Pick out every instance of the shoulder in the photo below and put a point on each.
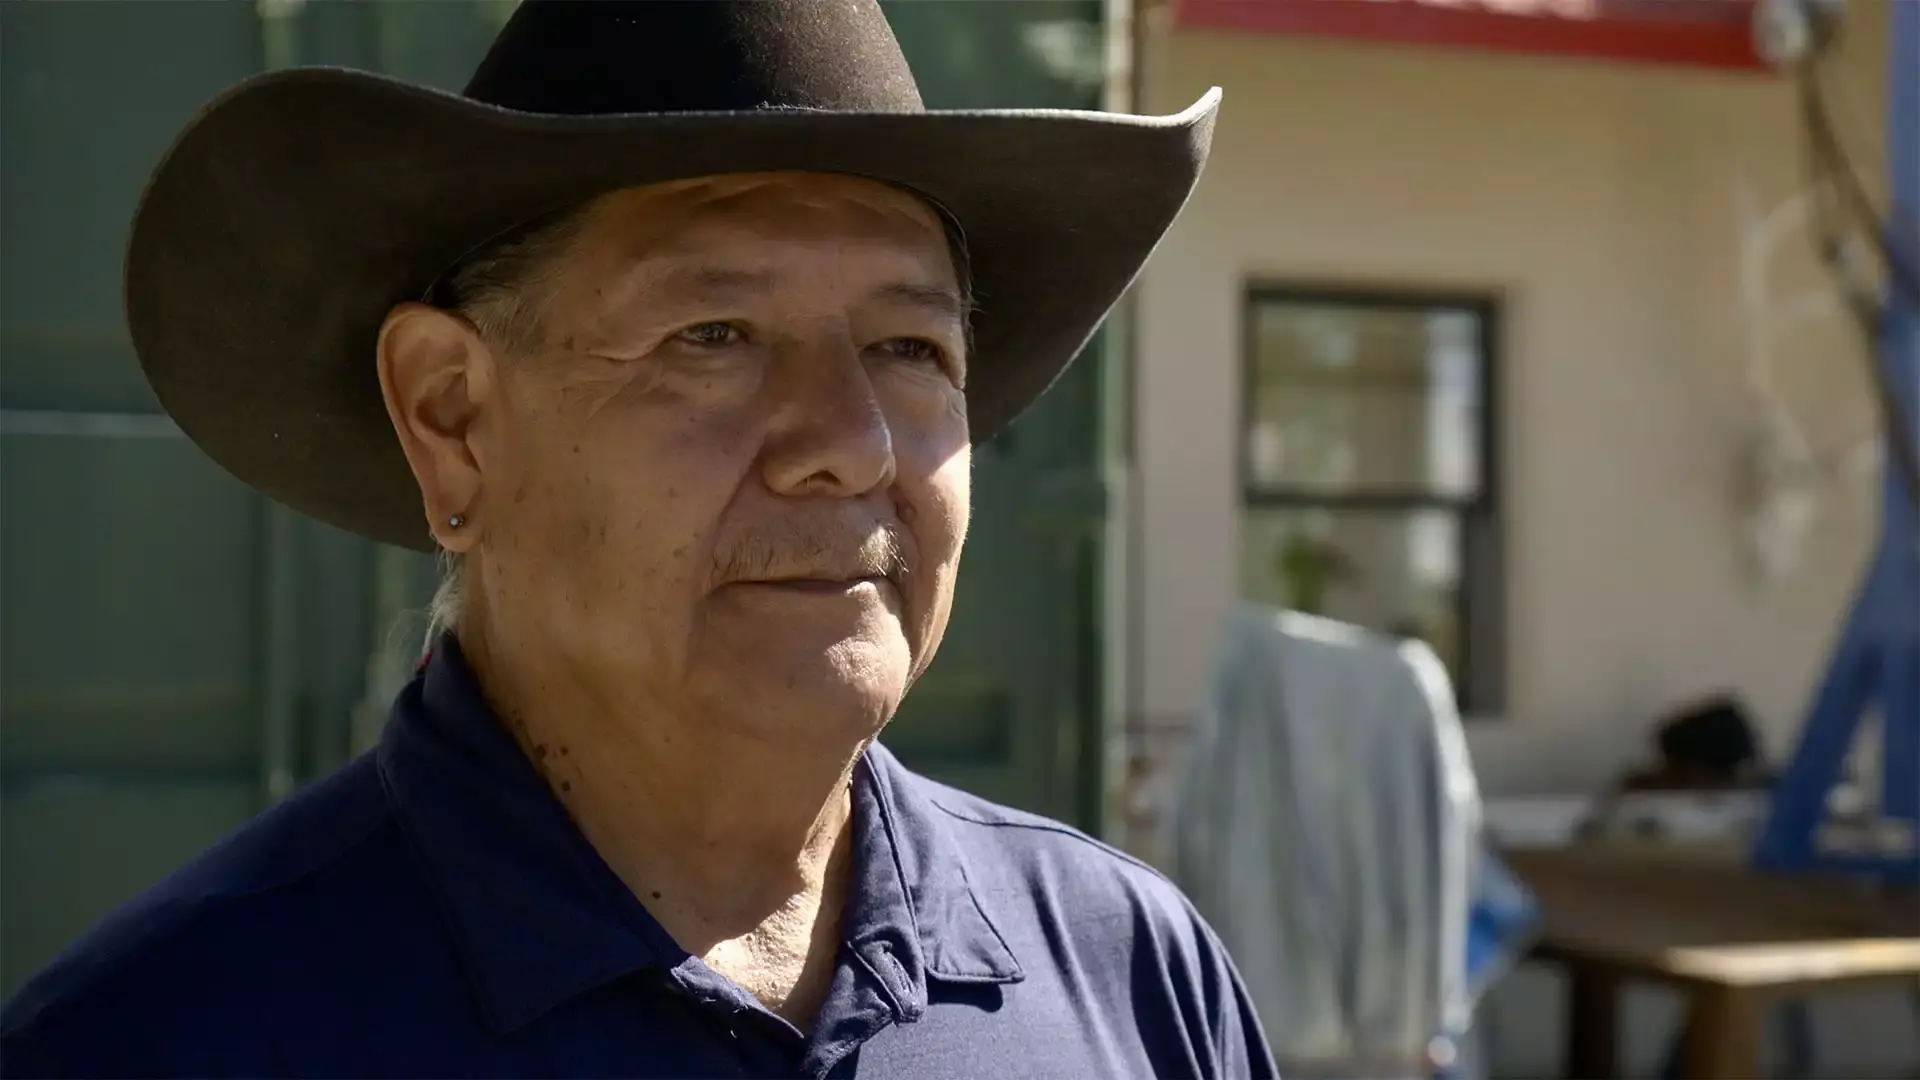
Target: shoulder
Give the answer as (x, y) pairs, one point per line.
(1013, 854)
(1090, 921)
(263, 920)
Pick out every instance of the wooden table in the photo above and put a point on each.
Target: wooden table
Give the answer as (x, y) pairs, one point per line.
(1729, 939)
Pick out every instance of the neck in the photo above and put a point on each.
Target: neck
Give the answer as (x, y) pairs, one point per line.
(720, 836)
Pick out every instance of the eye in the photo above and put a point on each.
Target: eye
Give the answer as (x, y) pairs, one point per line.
(914, 351)
(711, 335)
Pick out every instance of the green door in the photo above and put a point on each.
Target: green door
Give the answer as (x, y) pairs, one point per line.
(176, 653)
(173, 653)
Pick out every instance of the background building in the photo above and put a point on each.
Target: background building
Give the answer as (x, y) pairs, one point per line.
(1468, 332)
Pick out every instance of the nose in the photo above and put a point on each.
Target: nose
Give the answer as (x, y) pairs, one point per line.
(830, 435)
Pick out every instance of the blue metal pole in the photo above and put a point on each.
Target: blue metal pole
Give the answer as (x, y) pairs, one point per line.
(1877, 659)
(1900, 353)
(1800, 795)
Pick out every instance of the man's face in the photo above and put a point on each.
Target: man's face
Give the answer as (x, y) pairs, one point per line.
(733, 473)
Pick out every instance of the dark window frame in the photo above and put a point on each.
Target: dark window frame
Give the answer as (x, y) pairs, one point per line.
(1478, 685)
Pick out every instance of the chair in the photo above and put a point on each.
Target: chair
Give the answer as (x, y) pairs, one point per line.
(1328, 827)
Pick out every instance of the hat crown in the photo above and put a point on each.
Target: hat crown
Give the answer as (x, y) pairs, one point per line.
(603, 57)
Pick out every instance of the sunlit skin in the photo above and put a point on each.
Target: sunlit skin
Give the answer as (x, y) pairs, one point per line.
(711, 522)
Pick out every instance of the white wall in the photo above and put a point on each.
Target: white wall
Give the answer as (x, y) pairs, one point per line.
(1599, 203)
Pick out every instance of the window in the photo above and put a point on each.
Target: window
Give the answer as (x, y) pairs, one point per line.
(1367, 469)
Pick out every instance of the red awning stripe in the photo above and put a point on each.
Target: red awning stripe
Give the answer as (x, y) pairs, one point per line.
(1708, 33)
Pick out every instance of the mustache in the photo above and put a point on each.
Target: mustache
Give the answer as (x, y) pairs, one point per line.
(817, 550)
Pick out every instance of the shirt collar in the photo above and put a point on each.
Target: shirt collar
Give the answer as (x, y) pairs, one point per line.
(539, 918)
(913, 895)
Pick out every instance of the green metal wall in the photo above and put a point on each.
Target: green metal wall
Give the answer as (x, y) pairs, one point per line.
(175, 652)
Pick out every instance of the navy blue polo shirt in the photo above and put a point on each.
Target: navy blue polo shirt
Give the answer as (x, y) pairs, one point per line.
(432, 911)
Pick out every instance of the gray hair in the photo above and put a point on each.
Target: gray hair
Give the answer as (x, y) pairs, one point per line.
(449, 597)
(502, 286)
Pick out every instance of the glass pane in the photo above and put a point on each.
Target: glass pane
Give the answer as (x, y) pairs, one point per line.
(1348, 398)
(1394, 571)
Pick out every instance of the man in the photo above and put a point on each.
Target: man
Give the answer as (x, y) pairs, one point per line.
(664, 333)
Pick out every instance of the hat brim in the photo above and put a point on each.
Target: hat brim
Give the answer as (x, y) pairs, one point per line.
(300, 207)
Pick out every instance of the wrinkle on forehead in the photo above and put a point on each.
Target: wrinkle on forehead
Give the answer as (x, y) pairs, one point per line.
(737, 228)
(686, 215)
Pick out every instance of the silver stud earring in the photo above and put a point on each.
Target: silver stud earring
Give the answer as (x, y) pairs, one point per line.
(456, 521)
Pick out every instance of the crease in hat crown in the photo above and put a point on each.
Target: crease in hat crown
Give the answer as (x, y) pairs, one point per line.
(610, 57)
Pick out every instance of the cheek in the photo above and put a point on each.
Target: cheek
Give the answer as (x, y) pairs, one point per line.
(935, 512)
(623, 506)
(934, 462)
(940, 531)
(952, 495)
(650, 517)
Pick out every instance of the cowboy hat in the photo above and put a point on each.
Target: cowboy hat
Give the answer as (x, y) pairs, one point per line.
(299, 207)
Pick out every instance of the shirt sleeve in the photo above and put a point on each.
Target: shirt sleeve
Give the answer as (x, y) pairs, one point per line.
(22, 1060)
(1239, 1044)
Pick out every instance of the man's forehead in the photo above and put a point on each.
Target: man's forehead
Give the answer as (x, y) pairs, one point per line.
(701, 216)
(734, 237)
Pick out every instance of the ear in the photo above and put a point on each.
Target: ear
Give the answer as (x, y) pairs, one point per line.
(437, 377)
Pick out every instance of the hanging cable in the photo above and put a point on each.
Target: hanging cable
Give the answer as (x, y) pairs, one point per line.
(1842, 210)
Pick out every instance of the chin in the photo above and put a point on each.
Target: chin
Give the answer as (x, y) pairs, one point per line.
(842, 693)
(861, 681)
(831, 718)
(846, 712)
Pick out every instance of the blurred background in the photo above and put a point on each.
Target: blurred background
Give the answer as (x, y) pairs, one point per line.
(1500, 326)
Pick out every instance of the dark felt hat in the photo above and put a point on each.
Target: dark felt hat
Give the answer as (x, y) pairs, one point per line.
(298, 208)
